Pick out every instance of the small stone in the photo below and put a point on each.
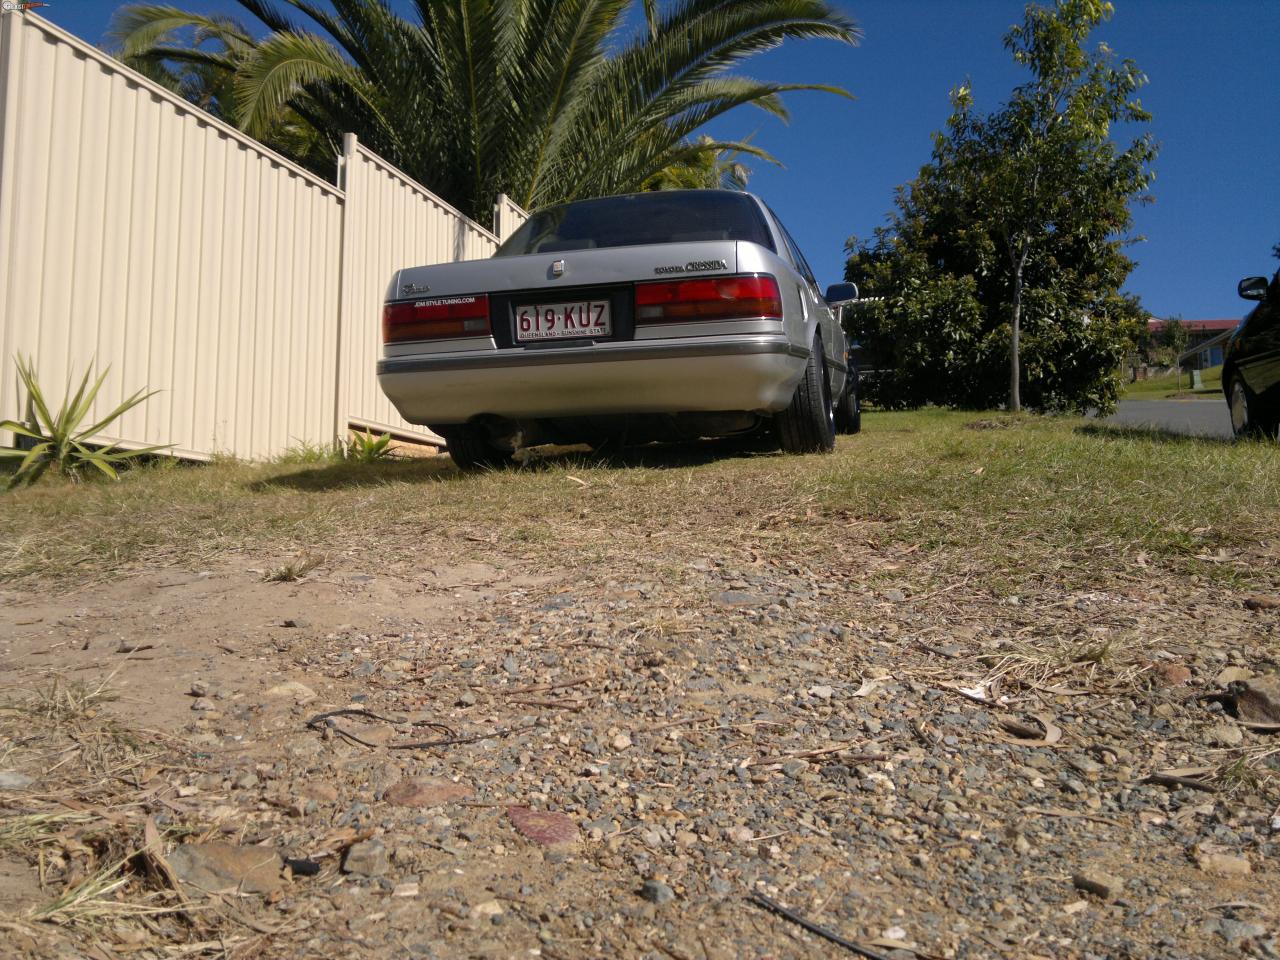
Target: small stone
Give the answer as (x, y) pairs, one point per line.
(1171, 674)
(1224, 735)
(203, 704)
(621, 741)
(408, 889)
(366, 859)
(1262, 602)
(793, 768)
(246, 781)
(487, 909)
(1235, 932)
(199, 688)
(227, 867)
(655, 891)
(895, 596)
(319, 791)
(13, 780)
(1232, 674)
(467, 699)
(294, 690)
(821, 692)
(686, 838)
(739, 834)
(295, 623)
(425, 793)
(1224, 864)
(1098, 883)
(737, 598)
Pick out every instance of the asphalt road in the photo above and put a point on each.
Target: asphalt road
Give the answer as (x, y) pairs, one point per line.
(1198, 418)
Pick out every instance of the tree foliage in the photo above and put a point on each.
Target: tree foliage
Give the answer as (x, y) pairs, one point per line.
(544, 100)
(1006, 252)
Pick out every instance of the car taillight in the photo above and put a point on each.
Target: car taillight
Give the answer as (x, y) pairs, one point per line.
(437, 319)
(708, 298)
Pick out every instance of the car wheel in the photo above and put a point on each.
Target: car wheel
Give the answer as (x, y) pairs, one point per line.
(1247, 420)
(808, 425)
(471, 449)
(849, 409)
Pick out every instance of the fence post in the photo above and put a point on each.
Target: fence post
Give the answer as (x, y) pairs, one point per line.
(10, 62)
(346, 257)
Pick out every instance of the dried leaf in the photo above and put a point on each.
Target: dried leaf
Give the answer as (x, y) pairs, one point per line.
(869, 686)
(544, 827)
(1025, 735)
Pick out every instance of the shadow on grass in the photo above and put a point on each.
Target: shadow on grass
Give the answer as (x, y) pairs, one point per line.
(657, 456)
(651, 456)
(1115, 431)
(338, 476)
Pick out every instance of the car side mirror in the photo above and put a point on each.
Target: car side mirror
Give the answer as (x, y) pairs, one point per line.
(1253, 288)
(839, 294)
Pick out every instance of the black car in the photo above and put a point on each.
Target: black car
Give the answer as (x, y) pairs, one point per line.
(1251, 369)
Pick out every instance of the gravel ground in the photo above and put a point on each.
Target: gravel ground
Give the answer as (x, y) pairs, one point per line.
(605, 724)
(698, 728)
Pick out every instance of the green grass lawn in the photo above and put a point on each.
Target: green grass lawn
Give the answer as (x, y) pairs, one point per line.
(1176, 385)
(1009, 500)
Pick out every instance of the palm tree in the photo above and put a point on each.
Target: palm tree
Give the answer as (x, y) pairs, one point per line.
(544, 100)
(714, 167)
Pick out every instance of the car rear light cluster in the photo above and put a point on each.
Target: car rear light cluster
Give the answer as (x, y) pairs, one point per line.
(438, 319)
(708, 298)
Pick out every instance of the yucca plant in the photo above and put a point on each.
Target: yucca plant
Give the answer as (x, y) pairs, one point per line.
(61, 439)
(366, 448)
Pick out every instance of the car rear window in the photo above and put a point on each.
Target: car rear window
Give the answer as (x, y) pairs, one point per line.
(668, 216)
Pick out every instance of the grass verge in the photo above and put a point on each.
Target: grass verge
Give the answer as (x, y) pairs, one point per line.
(1176, 385)
(1008, 499)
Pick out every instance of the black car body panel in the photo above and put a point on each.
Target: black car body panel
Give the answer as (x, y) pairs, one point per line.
(1253, 355)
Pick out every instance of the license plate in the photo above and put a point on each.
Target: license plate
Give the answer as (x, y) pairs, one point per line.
(556, 321)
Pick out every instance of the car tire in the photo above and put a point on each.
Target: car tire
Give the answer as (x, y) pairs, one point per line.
(849, 409)
(808, 424)
(1247, 420)
(471, 449)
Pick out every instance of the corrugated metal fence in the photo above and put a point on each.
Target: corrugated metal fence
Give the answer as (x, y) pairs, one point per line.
(139, 232)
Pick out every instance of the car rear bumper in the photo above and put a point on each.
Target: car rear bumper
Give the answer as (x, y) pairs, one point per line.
(714, 373)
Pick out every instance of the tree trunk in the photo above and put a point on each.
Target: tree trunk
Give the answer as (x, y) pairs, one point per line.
(1015, 369)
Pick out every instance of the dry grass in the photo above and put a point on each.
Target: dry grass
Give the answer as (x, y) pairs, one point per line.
(293, 570)
(1041, 499)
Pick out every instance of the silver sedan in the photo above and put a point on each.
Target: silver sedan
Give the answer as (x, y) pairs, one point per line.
(655, 316)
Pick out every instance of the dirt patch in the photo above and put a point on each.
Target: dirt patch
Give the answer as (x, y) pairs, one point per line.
(529, 715)
(832, 743)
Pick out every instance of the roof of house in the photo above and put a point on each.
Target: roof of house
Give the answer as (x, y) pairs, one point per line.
(1154, 324)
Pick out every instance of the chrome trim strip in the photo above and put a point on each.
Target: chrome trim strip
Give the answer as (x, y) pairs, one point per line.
(598, 353)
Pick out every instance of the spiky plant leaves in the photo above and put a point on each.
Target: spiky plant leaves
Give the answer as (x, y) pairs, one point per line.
(62, 438)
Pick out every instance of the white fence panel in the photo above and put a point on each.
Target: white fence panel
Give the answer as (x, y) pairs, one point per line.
(391, 222)
(138, 232)
(507, 217)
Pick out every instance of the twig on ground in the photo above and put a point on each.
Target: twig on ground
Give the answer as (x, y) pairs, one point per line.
(321, 720)
(547, 687)
(1168, 780)
(772, 906)
(575, 706)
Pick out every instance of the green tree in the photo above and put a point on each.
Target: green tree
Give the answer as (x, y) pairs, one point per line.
(544, 100)
(1010, 241)
(1174, 337)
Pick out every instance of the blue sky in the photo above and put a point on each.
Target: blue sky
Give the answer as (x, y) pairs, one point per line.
(1214, 94)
